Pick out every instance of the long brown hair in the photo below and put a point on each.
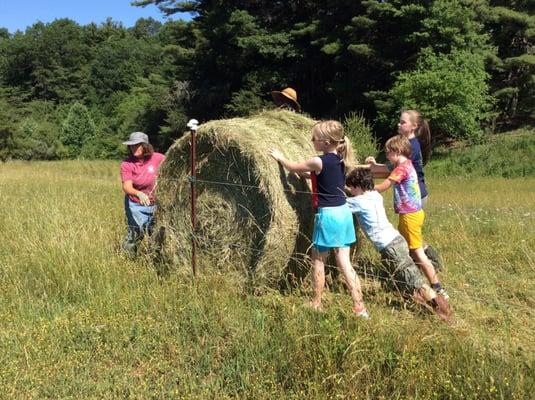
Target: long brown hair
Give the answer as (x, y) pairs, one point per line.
(333, 132)
(148, 150)
(422, 133)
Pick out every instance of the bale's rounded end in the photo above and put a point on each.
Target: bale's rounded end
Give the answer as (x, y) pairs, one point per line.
(253, 216)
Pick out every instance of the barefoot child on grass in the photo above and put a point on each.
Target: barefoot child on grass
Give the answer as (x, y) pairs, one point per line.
(368, 206)
(333, 225)
(408, 204)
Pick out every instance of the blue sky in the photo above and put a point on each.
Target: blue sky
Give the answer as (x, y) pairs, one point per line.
(23, 13)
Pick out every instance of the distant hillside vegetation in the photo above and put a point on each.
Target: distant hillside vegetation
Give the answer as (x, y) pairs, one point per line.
(507, 155)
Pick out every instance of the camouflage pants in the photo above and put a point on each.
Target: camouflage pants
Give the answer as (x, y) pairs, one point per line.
(399, 265)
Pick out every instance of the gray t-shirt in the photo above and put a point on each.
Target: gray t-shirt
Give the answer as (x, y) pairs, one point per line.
(372, 218)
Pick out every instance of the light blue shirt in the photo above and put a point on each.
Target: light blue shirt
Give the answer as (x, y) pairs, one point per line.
(372, 217)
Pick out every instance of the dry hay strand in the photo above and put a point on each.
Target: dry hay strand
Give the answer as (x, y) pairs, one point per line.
(252, 215)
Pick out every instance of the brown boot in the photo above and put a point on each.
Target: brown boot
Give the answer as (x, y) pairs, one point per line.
(442, 308)
(420, 296)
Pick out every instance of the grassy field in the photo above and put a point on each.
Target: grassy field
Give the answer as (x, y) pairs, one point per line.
(79, 321)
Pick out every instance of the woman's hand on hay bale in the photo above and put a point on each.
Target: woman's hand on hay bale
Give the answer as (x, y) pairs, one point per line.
(370, 160)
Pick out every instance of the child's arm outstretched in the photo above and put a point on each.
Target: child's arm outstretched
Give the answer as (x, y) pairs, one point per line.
(312, 165)
(378, 170)
(385, 185)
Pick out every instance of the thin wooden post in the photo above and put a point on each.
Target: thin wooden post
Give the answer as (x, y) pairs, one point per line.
(192, 125)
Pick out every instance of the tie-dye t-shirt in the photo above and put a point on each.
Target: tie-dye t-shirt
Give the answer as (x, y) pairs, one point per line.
(407, 197)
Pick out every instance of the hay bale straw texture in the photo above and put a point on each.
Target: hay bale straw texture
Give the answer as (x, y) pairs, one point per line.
(252, 214)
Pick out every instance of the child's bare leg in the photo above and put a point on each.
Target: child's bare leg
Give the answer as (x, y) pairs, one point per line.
(419, 257)
(318, 277)
(350, 276)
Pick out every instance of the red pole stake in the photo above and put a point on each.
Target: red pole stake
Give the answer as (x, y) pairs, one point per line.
(192, 124)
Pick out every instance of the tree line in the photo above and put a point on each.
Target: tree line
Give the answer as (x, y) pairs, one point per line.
(68, 90)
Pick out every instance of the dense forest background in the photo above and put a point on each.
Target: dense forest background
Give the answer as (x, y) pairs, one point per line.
(69, 91)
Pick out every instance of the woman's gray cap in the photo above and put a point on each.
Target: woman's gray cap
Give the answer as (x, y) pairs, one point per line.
(137, 137)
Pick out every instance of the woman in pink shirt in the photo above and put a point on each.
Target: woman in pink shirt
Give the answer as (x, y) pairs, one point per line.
(138, 175)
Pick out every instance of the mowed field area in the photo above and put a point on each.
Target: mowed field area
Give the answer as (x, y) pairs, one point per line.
(80, 321)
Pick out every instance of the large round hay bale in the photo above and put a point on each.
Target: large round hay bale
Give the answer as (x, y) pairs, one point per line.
(251, 213)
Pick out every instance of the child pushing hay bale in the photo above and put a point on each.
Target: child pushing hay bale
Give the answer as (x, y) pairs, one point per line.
(251, 214)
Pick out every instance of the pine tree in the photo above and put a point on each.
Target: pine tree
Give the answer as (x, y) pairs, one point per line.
(77, 129)
(7, 130)
(444, 32)
(512, 25)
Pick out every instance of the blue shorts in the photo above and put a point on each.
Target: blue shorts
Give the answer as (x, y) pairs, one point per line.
(333, 228)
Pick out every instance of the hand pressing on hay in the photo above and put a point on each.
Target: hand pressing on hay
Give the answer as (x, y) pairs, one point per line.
(302, 168)
(333, 226)
(276, 154)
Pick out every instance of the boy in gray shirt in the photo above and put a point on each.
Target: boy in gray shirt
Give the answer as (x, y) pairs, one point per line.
(367, 204)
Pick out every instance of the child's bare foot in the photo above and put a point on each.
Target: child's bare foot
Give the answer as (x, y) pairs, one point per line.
(361, 312)
(314, 305)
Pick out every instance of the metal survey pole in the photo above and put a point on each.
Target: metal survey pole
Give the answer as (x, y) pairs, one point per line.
(192, 125)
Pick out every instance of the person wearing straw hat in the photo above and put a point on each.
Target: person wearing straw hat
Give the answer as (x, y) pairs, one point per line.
(138, 175)
(286, 99)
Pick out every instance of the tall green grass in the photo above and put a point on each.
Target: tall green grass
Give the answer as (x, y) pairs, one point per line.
(78, 320)
(505, 155)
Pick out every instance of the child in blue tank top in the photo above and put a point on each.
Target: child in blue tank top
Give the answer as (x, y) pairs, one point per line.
(333, 224)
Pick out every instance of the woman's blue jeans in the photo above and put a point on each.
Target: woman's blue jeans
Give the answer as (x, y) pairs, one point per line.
(140, 220)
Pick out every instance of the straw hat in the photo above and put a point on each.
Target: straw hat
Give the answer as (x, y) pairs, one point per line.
(287, 96)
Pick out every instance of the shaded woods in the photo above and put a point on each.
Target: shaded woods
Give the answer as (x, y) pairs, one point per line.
(69, 91)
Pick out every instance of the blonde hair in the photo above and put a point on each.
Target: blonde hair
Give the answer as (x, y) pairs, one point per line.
(399, 144)
(422, 133)
(333, 132)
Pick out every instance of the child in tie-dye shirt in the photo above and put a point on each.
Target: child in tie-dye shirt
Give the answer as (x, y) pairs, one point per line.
(407, 197)
(408, 204)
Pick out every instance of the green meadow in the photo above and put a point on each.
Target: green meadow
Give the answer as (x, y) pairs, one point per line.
(80, 321)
